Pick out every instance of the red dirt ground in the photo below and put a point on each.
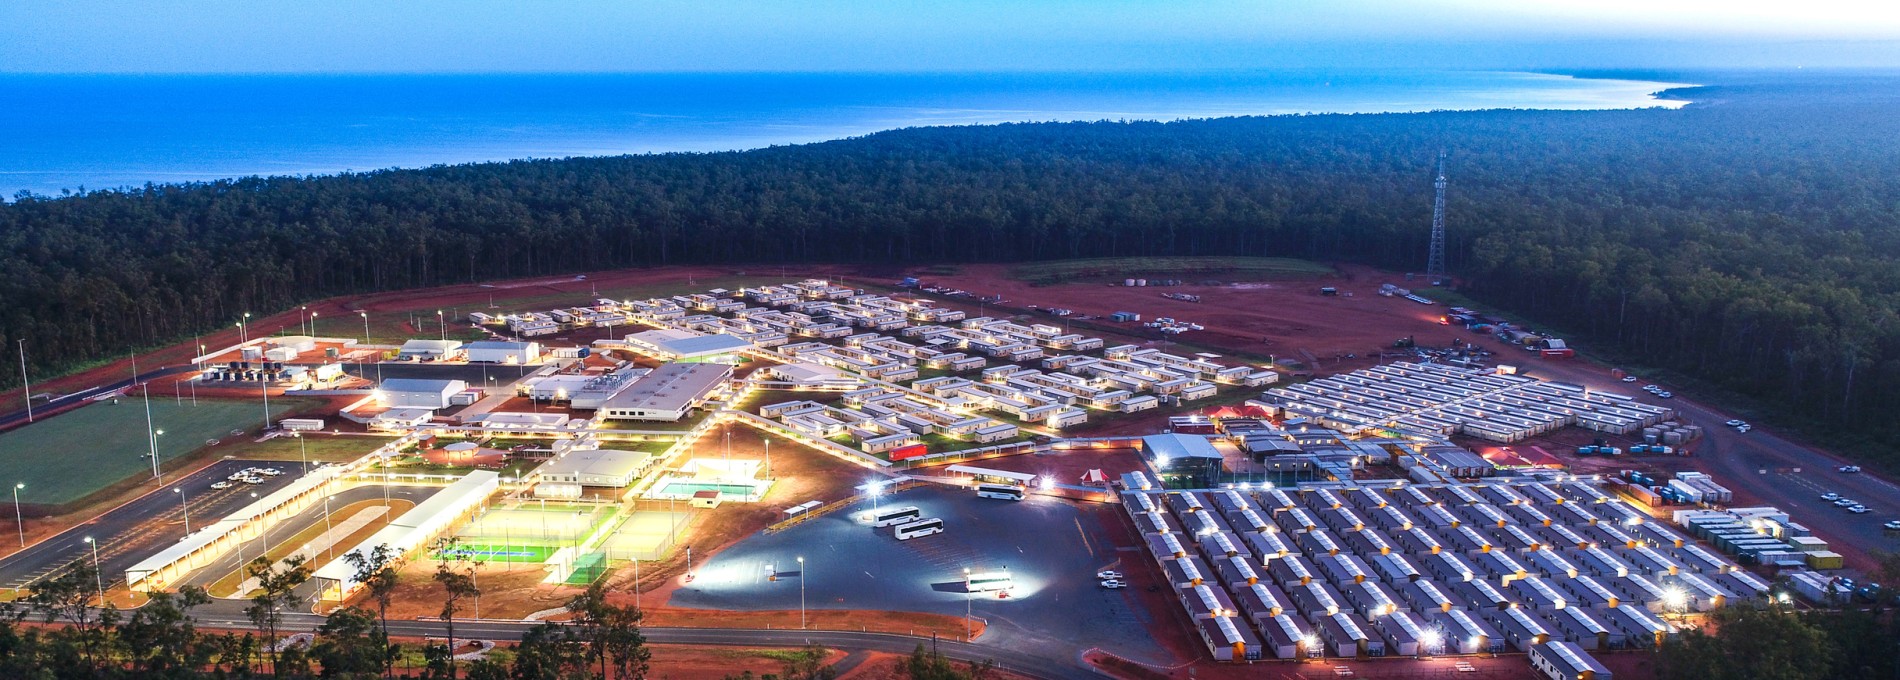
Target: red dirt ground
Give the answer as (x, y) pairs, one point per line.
(1279, 318)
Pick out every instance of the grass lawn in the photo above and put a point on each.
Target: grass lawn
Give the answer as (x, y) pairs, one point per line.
(1190, 269)
(320, 447)
(64, 458)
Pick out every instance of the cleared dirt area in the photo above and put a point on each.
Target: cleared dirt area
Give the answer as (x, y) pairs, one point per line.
(1285, 318)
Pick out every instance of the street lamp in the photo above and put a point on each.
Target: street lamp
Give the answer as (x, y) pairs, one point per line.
(801, 591)
(97, 579)
(443, 322)
(17, 516)
(969, 597)
(184, 507)
(302, 451)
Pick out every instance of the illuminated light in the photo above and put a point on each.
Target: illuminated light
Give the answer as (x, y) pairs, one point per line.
(1675, 598)
(1432, 639)
(1310, 641)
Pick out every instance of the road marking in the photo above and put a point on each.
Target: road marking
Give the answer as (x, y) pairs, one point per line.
(1085, 537)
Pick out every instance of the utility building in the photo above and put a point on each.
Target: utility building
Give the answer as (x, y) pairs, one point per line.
(667, 393)
(408, 393)
(503, 352)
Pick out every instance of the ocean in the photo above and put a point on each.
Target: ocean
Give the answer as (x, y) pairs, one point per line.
(67, 132)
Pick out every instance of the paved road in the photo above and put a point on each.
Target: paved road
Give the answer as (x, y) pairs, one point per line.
(1034, 665)
(1761, 465)
(143, 526)
(9, 420)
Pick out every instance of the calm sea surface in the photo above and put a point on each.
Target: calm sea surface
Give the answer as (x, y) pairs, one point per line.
(65, 132)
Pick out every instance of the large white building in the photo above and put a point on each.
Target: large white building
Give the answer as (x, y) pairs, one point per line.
(667, 393)
(406, 393)
(430, 350)
(596, 467)
(678, 345)
(503, 352)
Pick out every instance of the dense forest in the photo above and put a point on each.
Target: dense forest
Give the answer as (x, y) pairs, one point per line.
(1751, 240)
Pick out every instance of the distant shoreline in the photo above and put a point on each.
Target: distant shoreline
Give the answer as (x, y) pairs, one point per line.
(217, 127)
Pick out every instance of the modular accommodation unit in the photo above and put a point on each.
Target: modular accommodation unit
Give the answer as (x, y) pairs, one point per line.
(1566, 661)
(1521, 630)
(1286, 636)
(1581, 627)
(1469, 633)
(1262, 601)
(1536, 593)
(1371, 599)
(1639, 626)
(1314, 600)
(1345, 636)
(1425, 596)
(1480, 595)
(1290, 571)
(1395, 568)
(1227, 640)
(1404, 635)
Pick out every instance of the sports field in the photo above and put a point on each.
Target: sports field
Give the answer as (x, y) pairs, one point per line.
(64, 458)
(525, 532)
(645, 535)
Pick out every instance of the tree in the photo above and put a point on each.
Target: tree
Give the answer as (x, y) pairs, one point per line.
(809, 664)
(613, 631)
(1751, 644)
(549, 651)
(377, 572)
(160, 639)
(69, 596)
(350, 645)
(276, 593)
(932, 665)
(458, 585)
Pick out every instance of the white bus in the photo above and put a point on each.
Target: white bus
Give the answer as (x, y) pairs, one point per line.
(922, 527)
(1008, 492)
(985, 581)
(890, 516)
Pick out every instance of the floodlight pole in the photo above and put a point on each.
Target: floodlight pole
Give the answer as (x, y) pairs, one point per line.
(184, 507)
(97, 579)
(969, 599)
(17, 515)
(26, 385)
(302, 451)
(801, 592)
(151, 440)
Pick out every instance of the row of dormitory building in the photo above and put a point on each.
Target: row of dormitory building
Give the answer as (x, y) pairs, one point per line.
(1363, 571)
(1444, 400)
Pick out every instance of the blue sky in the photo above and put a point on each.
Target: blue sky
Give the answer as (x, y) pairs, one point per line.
(171, 36)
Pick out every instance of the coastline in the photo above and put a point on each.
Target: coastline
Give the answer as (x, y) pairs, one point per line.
(309, 126)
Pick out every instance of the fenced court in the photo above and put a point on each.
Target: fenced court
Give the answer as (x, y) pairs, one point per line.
(63, 458)
(520, 531)
(646, 535)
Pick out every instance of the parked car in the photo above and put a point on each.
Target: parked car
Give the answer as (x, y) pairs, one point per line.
(1893, 525)
(1629, 378)
(1850, 468)
(1830, 496)
(1113, 584)
(1859, 510)
(221, 485)
(1845, 503)
(1108, 575)
(1735, 423)
(273, 472)
(1666, 395)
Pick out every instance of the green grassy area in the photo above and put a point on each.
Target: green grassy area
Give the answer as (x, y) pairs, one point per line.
(66, 457)
(1191, 269)
(319, 447)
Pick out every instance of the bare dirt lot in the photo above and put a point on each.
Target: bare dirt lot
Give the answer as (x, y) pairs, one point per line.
(1287, 319)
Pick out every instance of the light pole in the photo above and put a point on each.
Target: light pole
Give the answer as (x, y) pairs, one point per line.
(97, 579)
(302, 451)
(25, 384)
(969, 599)
(263, 386)
(184, 508)
(240, 545)
(768, 457)
(151, 440)
(17, 516)
(801, 591)
(443, 323)
(327, 528)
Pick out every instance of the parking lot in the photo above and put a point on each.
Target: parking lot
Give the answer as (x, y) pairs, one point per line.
(138, 529)
(1052, 549)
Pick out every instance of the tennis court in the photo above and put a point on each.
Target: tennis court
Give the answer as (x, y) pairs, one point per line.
(646, 535)
(526, 532)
